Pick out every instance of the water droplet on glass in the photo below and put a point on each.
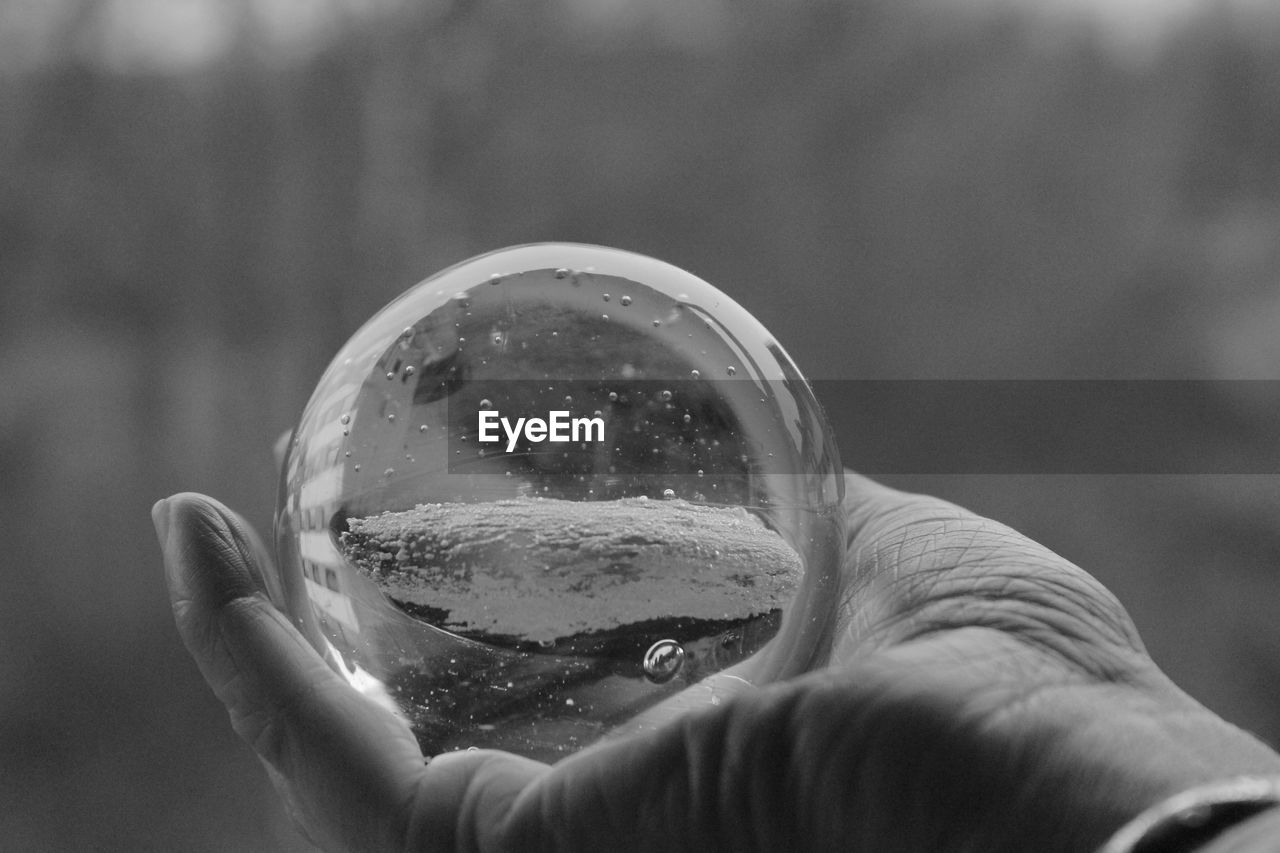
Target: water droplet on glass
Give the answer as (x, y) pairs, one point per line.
(344, 420)
(613, 396)
(496, 278)
(688, 418)
(391, 416)
(409, 371)
(668, 493)
(388, 472)
(422, 428)
(486, 404)
(666, 396)
(731, 370)
(604, 316)
(657, 323)
(663, 661)
(562, 273)
(605, 297)
(626, 300)
(695, 374)
(390, 375)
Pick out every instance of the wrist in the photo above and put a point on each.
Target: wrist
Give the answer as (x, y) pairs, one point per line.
(1142, 748)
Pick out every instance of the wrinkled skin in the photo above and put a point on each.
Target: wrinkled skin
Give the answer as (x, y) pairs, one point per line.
(981, 693)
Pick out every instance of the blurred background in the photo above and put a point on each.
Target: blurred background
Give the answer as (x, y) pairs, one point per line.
(200, 201)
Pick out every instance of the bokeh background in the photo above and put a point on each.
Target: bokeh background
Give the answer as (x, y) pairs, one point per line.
(200, 201)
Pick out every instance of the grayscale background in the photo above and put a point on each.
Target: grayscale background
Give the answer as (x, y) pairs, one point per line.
(201, 200)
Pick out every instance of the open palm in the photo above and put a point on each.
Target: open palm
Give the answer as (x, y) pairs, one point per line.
(980, 693)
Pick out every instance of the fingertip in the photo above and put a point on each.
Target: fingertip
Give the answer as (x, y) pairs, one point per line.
(864, 497)
(208, 553)
(281, 448)
(863, 487)
(160, 514)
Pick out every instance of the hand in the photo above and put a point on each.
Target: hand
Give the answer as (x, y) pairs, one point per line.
(981, 693)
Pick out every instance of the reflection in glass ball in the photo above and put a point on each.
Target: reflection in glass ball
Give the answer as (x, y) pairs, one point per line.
(551, 488)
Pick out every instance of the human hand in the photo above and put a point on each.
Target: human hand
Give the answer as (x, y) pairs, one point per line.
(980, 693)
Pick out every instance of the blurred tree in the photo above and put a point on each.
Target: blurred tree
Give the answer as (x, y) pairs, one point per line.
(900, 190)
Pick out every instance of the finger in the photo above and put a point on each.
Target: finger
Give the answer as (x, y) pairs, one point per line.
(917, 565)
(868, 505)
(347, 767)
(281, 448)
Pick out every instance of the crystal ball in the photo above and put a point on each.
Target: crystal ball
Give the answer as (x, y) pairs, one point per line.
(556, 493)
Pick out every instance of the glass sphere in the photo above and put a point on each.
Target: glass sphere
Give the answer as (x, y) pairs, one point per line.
(556, 492)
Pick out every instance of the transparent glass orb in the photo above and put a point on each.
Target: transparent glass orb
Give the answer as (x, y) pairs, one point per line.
(556, 492)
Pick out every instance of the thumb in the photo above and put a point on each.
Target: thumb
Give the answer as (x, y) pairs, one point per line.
(344, 765)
